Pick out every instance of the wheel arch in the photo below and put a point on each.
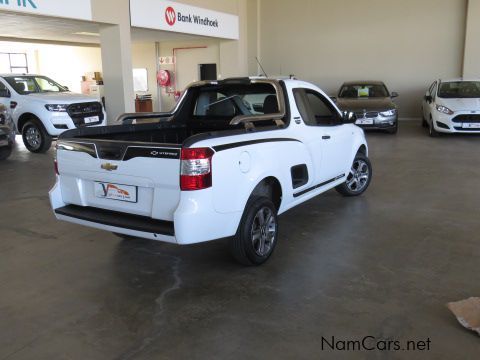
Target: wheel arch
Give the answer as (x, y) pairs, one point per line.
(22, 120)
(363, 150)
(269, 187)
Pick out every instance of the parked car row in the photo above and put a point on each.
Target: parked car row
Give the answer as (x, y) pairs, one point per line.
(40, 109)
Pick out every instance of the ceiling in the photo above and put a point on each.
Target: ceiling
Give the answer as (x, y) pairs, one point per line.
(23, 27)
(31, 27)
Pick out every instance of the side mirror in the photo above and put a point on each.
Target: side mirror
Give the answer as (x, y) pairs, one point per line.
(5, 93)
(349, 117)
(394, 94)
(428, 98)
(333, 98)
(66, 88)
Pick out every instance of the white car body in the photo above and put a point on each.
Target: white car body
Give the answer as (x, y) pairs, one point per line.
(464, 116)
(24, 106)
(241, 162)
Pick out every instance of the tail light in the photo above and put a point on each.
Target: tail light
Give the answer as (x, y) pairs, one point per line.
(196, 169)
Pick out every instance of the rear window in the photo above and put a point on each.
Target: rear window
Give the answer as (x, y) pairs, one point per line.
(459, 89)
(230, 100)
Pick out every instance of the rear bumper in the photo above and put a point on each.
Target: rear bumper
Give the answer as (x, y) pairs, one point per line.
(192, 223)
(117, 219)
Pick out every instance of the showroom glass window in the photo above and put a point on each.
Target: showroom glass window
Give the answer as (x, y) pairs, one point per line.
(315, 109)
(459, 89)
(13, 63)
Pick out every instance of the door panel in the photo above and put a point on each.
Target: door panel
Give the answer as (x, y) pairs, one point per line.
(328, 140)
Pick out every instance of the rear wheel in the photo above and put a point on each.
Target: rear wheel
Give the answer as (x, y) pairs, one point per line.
(5, 152)
(35, 137)
(257, 233)
(358, 178)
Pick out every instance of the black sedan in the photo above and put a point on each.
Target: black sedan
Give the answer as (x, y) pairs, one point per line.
(372, 104)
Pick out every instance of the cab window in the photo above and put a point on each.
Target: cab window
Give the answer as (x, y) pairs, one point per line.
(315, 109)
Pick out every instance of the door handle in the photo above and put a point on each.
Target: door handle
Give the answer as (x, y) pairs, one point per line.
(326, 137)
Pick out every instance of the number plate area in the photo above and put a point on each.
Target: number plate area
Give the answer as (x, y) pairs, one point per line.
(113, 191)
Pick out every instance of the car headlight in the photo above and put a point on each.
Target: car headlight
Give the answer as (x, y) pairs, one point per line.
(444, 110)
(388, 112)
(56, 107)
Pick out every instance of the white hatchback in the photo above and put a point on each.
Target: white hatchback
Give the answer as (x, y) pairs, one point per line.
(452, 106)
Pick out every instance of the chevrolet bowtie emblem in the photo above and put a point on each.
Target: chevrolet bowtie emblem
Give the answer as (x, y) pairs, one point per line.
(109, 167)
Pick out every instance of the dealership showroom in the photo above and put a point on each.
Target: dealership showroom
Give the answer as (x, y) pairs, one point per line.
(150, 150)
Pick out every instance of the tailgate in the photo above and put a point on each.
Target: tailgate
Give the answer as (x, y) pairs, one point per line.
(134, 178)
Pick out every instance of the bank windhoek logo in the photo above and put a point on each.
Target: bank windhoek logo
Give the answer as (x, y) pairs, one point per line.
(170, 16)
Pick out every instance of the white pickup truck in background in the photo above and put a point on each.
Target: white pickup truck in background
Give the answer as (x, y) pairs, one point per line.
(231, 156)
(42, 109)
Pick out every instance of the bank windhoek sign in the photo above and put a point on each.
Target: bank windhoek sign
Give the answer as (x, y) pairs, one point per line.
(71, 9)
(177, 17)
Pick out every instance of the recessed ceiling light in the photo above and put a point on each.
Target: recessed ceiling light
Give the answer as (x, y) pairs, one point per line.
(86, 33)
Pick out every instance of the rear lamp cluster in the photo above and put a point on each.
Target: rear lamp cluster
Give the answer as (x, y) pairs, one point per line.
(196, 169)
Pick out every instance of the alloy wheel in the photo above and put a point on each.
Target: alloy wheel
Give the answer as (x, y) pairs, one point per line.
(264, 231)
(358, 177)
(33, 137)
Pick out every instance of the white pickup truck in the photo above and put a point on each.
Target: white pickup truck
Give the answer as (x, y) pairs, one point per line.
(225, 162)
(42, 109)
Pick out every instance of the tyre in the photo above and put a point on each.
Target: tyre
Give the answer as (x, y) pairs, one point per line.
(431, 130)
(393, 130)
(5, 152)
(257, 233)
(424, 122)
(359, 177)
(35, 137)
(123, 236)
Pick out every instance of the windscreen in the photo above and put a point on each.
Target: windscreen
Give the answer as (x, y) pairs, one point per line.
(459, 89)
(230, 100)
(34, 84)
(363, 91)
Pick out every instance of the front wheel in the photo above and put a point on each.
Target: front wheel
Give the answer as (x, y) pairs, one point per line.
(358, 178)
(394, 129)
(257, 233)
(35, 137)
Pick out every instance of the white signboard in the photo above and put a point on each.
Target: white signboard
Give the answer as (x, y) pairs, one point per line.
(73, 9)
(173, 16)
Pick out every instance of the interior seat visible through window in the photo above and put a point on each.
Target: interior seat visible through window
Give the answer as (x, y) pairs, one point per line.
(270, 105)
